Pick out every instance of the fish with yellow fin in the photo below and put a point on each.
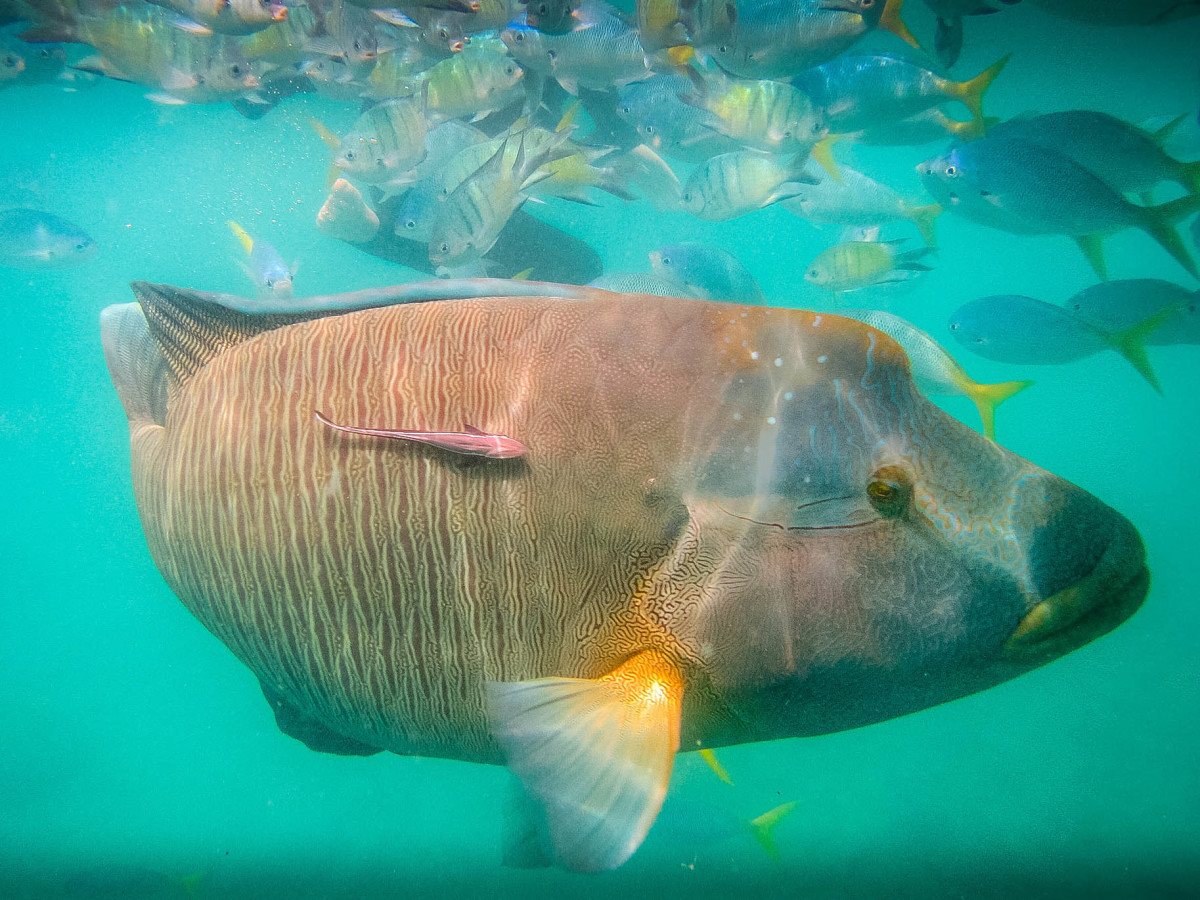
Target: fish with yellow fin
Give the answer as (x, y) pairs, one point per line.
(935, 371)
(732, 524)
(272, 277)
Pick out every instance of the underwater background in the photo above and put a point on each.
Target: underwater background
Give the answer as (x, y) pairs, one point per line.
(138, 757)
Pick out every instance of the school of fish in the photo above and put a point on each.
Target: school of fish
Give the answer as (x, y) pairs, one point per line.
(574, 521)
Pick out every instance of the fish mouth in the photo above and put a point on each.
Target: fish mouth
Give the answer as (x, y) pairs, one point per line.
(1089, 608)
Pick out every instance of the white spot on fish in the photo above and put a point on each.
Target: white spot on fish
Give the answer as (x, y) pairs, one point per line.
(754, 354)
(770, 420)
(332, 483)
(789, 396)
(737, 417)
(816, 321)
(779, 361)
(822, 359)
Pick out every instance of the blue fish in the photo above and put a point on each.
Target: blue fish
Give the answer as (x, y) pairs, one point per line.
(32, 239)
(1022, 188)
(707, 272)
(1014, 329)
(1117, 305)
(266, 268)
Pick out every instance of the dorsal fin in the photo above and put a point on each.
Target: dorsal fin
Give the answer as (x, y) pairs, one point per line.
(192, 328)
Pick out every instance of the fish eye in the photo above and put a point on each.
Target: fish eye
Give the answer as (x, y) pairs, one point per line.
(510, 70)
(865, 4)
(889, 492)
(10, 61)
(951, 171)
(518, 37)
(553, 54)
(349, 156)
(724, 48)
(357, 45)
(235, 70)
(270, 282)
(666, 260)
(443, 247)
(410, 224)
(81, 246)
(649, 129)
(955, 325)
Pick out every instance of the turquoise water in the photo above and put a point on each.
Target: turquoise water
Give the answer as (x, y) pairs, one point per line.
(136, 752)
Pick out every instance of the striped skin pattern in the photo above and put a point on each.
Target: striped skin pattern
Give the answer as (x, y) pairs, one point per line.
(695, 485)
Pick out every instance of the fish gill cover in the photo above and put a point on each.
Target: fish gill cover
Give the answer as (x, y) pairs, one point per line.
(620, 394)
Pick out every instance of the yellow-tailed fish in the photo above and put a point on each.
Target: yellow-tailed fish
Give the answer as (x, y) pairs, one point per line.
(733, 184)
(863, 92)
(853, 265)
(272, 277)
(474, 83)
(935, 371)
(385, 143)
(859, 201)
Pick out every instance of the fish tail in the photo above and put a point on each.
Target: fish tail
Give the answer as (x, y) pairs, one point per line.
(1131, 342)
(1159, 222)
(333, 142)
(244, 239)
(988, 396)
(763, 827)
(890, 20)
(822, 153)
(971, 92)
(1190, 176)
(924, 218)
(1160, 135)
(715, 764)
(910, 259)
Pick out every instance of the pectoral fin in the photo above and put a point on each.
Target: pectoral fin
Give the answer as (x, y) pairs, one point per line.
(596, 754)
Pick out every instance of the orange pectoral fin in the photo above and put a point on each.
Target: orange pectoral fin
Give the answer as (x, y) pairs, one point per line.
(596, 754)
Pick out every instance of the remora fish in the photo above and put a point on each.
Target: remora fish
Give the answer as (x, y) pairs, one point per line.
(638, 582)
(469, 442)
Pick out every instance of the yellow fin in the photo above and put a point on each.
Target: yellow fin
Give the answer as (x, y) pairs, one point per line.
(1092, 247)
(763, 827)
(244, 239)
(596, 754)
(988, 396)
(1131, 342)
(191, 882)
(1159, 222)
(890, 20)
(822, 152)
(332, 141)
(924, 218)
(681, 55)
(523, 275)
(715, 764)
(568, 118)
(970, 92)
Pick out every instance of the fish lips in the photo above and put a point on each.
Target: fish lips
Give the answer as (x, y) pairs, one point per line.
(1090, 607)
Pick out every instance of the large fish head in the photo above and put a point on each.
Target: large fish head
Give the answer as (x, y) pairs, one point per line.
(872, 556)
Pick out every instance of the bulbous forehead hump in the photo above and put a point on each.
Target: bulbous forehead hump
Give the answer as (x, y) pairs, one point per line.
(808, 400)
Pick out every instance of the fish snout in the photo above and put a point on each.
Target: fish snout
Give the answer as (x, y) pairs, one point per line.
(1089, 564)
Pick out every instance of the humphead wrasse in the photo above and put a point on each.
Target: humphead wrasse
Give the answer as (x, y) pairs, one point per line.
(729, 524)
